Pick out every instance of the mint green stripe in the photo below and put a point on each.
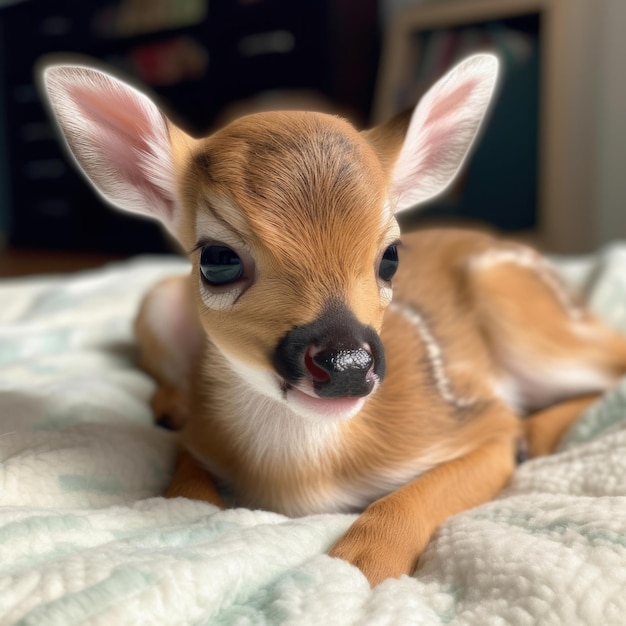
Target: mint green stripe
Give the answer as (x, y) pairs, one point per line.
(43, 525)
(76, 608)
(77, 482)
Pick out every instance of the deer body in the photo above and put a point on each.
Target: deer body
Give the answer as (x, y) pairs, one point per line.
(432, 408)
(280, 461)
(297, 378)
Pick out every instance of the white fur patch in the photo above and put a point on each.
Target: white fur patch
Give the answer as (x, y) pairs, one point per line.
(261, 396)
(210, 228)
(166, 312)
(273, 430)
(434, 354)
(532, 384)
(218, 301)
(539, 265)
(230, 213)
(386, 295)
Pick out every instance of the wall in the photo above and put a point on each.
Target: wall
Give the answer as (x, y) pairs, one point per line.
(583, 112)
(610, 113)
(594, 123)
(4, 191)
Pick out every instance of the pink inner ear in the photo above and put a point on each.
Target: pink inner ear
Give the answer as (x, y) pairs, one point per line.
(452, 103)
(437, 142)
(438, 130)
(120, 114)
(442, 130)
(119, 138)
(120, 128)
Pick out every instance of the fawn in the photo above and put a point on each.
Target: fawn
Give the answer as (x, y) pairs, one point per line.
(296, 378)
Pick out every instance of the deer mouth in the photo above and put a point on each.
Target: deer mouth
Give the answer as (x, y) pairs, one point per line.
(303, 400)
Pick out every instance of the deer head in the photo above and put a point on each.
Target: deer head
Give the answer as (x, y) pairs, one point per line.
(288, 218)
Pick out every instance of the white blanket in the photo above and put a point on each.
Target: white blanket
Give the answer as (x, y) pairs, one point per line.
(86, 539)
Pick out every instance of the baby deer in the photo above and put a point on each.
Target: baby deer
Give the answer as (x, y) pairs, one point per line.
(296, 377)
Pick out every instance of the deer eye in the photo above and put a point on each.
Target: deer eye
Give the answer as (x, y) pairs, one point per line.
(220, 265)
(389, 263)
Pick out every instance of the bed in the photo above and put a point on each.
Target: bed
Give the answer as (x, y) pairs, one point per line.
(85, 537)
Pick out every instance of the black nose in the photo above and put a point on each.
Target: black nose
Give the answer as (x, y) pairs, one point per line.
(340, 356)
(345, 372)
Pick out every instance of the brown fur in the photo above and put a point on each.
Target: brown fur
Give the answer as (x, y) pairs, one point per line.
(470, 312)
(480, 332)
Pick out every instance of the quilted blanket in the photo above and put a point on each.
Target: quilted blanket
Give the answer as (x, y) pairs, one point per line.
(85, 537)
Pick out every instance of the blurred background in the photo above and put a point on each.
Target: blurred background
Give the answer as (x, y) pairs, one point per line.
(550, 165)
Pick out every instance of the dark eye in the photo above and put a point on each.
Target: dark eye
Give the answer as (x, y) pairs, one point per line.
(389, 263)
(220, 265)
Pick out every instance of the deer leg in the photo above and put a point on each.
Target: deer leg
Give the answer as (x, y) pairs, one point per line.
(545, 429)
(169, 338)
(192, 481)
(388, 538)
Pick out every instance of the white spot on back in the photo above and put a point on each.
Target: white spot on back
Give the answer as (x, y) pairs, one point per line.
(435, 356)
(539, 265)
(531, 384)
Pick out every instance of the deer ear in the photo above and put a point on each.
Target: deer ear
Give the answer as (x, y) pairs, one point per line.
(442, 130)
(118, 137)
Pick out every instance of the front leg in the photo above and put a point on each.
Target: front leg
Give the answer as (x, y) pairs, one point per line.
(169, 337)
(192, 481)
(388, 538)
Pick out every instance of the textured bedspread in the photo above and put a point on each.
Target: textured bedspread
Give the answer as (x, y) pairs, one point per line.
(86, 539)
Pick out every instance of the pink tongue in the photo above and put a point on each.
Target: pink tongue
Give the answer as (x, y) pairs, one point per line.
(318, 374)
